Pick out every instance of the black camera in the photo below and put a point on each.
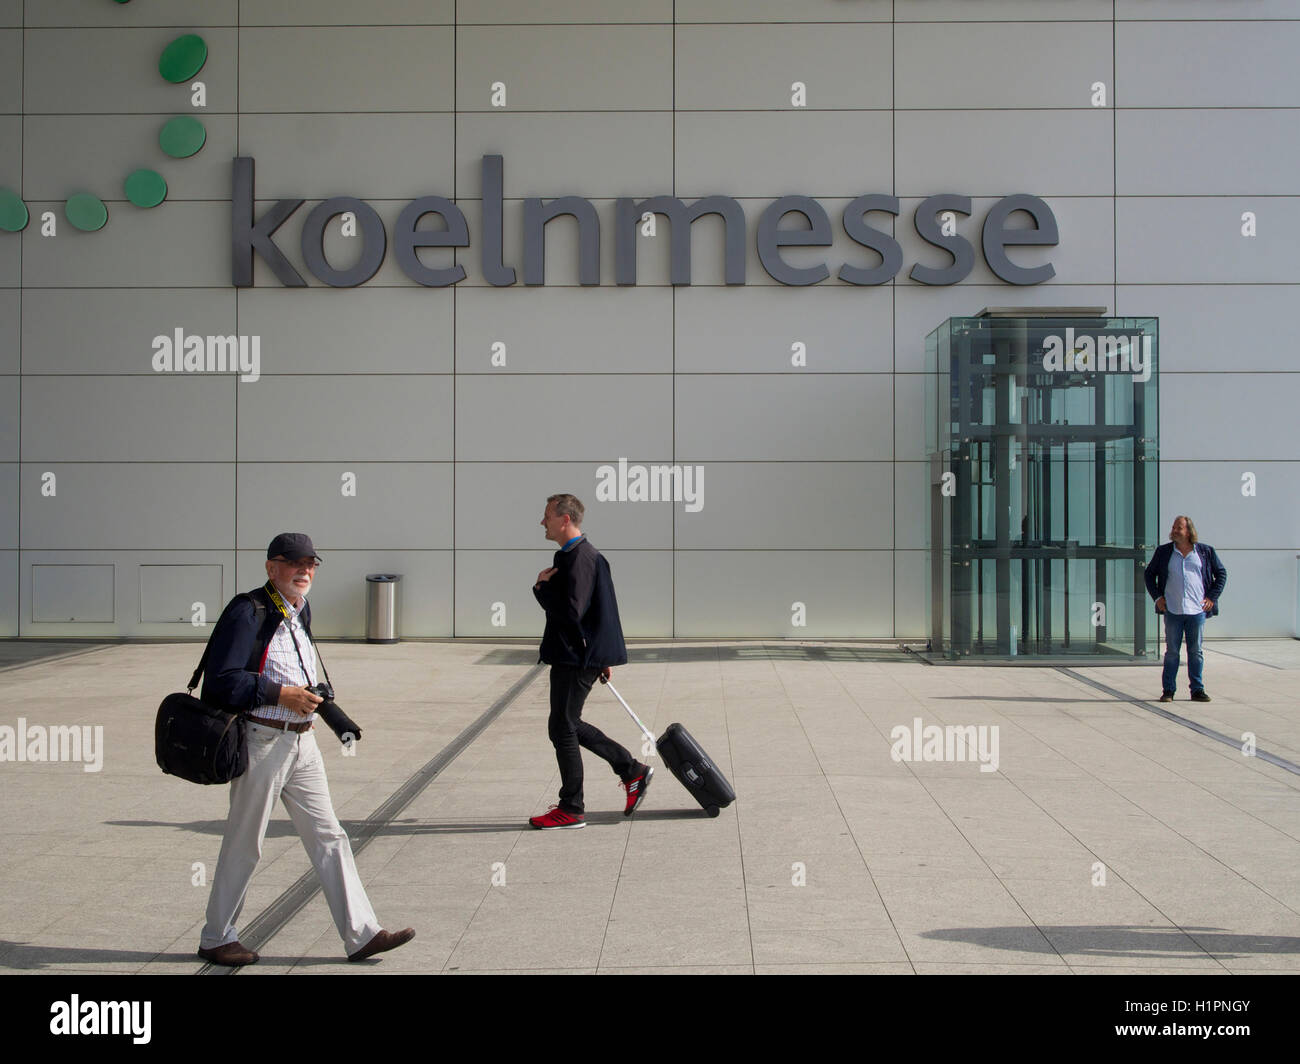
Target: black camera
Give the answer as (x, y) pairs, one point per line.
(340, 723)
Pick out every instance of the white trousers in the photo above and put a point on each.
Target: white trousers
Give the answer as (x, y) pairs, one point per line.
(289, 766)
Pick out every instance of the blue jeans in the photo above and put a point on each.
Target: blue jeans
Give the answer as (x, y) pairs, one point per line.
(1178, 626)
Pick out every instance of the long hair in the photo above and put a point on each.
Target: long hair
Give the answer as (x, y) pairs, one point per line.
(1192, 537)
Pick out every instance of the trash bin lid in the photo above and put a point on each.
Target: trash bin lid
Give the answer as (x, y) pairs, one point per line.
(383, 578)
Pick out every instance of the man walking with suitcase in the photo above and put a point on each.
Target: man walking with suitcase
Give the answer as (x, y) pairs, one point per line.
(582, 640)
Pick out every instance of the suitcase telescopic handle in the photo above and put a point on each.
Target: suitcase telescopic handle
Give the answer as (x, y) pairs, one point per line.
(644, 730)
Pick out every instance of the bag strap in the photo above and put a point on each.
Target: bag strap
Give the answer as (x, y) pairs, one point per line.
(259, 614)
(305, 620)
(306, 623)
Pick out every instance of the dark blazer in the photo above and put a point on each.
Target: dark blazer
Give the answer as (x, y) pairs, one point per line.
(237, 652)
(582, 626)
(1158, 572)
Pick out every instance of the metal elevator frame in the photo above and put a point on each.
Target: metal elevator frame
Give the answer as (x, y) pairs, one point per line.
(1013, 429)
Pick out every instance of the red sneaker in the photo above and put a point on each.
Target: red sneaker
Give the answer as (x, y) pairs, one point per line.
(636, 788)
(555, 817)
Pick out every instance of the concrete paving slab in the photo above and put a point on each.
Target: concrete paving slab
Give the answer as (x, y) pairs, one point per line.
(949, 968)
(635, 944)
(871, 968)
(520, 971)
(824, 946)
(1089, 969)
(684, 969)
(836, 858)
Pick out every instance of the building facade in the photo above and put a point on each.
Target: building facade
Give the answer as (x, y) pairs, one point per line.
(414, 421)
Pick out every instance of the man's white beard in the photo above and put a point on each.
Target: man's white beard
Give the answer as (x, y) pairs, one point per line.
(291, 591)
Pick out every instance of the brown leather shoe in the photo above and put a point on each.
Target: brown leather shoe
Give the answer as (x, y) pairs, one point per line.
(1168, 696)
(232, 955)
(382, 943)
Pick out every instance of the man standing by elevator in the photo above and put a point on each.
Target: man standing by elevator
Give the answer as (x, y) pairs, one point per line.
(1185, 578)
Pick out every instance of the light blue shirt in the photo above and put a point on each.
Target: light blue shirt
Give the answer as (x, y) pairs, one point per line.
(1185, 584)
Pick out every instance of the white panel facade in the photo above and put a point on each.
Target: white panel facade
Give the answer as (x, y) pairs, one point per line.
(419, 429)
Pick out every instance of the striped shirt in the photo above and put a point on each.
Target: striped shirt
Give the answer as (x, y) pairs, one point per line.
(282, 665)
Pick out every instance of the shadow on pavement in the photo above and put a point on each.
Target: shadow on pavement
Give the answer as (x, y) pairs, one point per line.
(17, 653)
(1122, 941)
(283, 829)
(27, 955)
(743, 652)
(1025, 698)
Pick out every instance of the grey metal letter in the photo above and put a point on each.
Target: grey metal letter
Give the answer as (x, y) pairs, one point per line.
(963, 255)
(493, 194)
(406, 238)
(626, 220)
(770, 238)
(680, 217)
(537, 214)
(997, 237)
(374, 242)
(247, 235)
(884, 245)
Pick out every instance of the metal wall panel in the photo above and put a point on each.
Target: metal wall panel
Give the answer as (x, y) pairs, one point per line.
(395, 383)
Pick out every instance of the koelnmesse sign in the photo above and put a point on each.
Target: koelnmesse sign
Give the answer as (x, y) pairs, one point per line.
(934, 220)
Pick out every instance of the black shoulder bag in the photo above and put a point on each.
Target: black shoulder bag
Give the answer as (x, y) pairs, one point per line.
(196, 741)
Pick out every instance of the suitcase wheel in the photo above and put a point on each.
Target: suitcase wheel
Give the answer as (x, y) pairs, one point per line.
(712, 810)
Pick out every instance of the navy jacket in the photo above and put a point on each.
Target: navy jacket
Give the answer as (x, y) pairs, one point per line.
(582, 626)
(1211, 568)
(237, 649)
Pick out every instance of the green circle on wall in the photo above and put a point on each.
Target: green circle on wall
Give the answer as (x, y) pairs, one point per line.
(86, 212)
(182, 137)
(183, 58)
(13, 212)
(145, 188)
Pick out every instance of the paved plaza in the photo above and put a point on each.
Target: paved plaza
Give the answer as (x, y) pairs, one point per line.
(1097, 836)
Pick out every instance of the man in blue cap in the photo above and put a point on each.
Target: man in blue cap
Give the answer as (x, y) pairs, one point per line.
(262, 664)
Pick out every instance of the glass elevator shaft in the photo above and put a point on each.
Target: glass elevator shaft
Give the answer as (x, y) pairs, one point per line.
(1044, 484)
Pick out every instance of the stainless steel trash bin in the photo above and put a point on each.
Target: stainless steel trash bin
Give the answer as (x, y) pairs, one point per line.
(381, 607)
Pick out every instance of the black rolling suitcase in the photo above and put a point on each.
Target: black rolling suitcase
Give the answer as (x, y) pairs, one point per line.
(687, 761)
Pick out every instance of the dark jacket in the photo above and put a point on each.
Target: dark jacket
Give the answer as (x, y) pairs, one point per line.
(237, 650)
(582, 626)
(1157, 573)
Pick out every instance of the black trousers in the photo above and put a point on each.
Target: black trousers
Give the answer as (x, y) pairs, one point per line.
(568, 731)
